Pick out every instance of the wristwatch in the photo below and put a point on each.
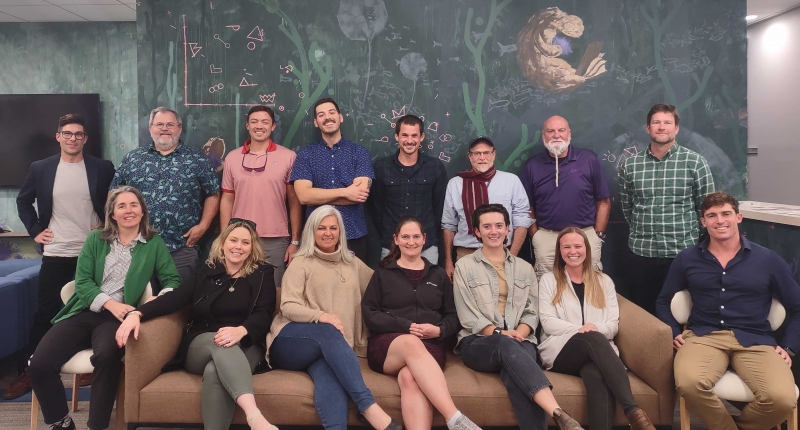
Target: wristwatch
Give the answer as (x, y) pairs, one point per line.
(497, 331)
(295, 242)
(601, 234)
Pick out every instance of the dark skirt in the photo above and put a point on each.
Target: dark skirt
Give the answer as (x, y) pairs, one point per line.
(378, 348)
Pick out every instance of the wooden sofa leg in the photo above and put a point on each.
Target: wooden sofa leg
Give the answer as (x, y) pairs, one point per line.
(792, 423)
(34, 411)
(685, 421)
(75, 387)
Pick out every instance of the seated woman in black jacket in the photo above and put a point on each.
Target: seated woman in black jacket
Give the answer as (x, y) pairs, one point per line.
(409, 309)
(232, 300)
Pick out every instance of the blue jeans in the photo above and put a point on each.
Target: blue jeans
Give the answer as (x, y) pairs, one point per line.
(321, 350)
(522, 376)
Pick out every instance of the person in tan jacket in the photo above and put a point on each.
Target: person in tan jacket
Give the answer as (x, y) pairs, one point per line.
(319, 329)
(580, 318)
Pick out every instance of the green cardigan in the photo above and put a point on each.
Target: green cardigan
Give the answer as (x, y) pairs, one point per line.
(146, 259)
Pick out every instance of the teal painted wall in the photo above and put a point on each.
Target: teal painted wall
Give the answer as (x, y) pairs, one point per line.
(61, 58)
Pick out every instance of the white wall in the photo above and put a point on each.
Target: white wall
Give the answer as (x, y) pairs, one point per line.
(773, 105)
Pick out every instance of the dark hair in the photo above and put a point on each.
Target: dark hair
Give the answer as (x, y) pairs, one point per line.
(71, 118)
(409, 120)
(489, 208)
(260, 108)
(664, 108)
(323, 101)
(718, 198)
(394, 253)
(482, 139)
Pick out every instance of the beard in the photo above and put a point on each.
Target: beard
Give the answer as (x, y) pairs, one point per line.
(165, 142)
(557, 148)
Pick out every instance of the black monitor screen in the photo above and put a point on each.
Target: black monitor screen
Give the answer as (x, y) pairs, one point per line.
(28, 125)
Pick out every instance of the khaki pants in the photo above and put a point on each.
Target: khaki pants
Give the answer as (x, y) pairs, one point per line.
(544, 249)
(462, 252)
(702, 361)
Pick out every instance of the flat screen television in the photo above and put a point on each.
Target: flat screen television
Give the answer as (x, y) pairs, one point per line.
(28, 125)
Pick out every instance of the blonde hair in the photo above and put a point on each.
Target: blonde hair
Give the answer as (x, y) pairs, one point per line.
(256, 257)
(307, 242)
(591, 278)
(110, 230)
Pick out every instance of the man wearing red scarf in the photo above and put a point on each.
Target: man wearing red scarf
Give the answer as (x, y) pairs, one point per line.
(481, 184)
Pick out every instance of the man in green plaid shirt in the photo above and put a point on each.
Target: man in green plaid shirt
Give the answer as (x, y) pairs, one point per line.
(661, 191)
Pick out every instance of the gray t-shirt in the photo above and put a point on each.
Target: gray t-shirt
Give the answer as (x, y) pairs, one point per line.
(73, 214)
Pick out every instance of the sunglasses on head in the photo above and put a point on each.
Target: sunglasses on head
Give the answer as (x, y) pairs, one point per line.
(241, 221)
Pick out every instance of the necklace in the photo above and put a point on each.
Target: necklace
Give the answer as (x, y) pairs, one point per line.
(235, 280)
(339, 272)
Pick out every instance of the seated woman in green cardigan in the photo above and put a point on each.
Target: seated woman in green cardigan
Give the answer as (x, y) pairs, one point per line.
(114, 267)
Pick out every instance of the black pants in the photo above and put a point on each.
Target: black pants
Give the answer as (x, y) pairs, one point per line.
(359, 247)
(185, 260)
(590, 356)
(53, 275)
(646, 276)
(522, 376)
(68, 337)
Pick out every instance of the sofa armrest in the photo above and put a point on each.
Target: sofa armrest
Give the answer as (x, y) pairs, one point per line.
(158, 343)
(645, 347)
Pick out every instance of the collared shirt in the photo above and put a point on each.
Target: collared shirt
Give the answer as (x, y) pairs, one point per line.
(661, 200)
(408, 190)
(476, 293)
(116, 266)
(174, 187)
(736, 297)
(505, 188)
(260, 196)
(336, 167)
(581, 184)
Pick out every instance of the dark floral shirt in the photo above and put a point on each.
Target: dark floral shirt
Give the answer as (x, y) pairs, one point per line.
(174, 187)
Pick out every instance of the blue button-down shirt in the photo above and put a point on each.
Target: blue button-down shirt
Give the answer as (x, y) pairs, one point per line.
(736, 297)
(174, 187)
(336, 167)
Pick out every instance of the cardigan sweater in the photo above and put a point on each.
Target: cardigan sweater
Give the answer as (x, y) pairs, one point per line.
(391, 303)
(147, 259)
(201, 290)
(561, 321)
(311, 286)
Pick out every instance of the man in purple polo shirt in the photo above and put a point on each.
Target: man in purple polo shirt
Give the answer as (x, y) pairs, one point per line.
(571, 193)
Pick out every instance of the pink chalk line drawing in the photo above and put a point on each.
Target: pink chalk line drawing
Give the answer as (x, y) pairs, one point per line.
(281, 108)
(288, 68)
(251, 45)
(173, 27)
(195, 48)
(234, 27)
(446, 137)
(216, 88)
(216, 69)
(302, 96)
(244, 83)
(384, 139)
(396, 114)
(186, 99)
(267, 98)
(256, 34)
(444, 158)
(434, 127)
(430, 146)
(227, 45)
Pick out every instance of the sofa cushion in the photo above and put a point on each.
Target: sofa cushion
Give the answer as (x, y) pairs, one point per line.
(287, 397)
(8, 267)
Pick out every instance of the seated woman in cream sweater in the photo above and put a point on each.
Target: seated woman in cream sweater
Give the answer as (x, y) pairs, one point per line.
(319, 328)
(580, 317)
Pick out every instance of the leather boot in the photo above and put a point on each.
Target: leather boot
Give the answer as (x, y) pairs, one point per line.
(19, 388)
(564, 421)
(640, 421)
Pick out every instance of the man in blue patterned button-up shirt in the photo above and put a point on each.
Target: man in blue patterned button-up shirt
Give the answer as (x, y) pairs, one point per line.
(179, 187)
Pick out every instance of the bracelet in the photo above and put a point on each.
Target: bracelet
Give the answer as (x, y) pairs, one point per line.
(133, 311)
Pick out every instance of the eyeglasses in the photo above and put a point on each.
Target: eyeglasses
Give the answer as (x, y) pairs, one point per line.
(162, 125)
(241, 221)
(257, 169)
(482, 153)
(69, 135)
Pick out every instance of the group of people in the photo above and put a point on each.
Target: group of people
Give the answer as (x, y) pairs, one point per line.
(99, 225)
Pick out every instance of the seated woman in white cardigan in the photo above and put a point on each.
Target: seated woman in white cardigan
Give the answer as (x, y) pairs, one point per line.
(580, 317)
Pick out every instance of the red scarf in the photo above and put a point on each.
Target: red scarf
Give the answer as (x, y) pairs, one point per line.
(475, 192)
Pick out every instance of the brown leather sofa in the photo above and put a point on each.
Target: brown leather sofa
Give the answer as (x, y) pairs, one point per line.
(286, 397)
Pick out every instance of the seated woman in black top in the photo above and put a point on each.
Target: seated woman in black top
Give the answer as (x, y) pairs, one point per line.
(409, 309)
(232, 300)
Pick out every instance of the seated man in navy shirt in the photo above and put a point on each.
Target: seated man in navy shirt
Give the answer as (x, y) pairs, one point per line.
(732, 282)
(335, 171)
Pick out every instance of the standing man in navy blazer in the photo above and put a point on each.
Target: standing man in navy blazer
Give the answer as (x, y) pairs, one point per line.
(70, 191)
